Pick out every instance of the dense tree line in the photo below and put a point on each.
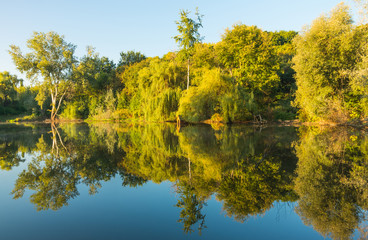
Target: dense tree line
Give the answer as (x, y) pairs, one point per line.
(331, 64)
(247, 73)
(250, 74)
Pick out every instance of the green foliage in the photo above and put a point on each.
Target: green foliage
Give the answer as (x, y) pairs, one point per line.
(191, 209)
(27, 99)
(95, 74)
(188, 31)
(130, 57)
(8, 87)
(75, 110)
(95, 86)
(284, 111)
(15, 98)
(204, 57)
(200, 103)
(103, 108)
(158, 88)
(248, 73)
(326, 54)
(248, 54)
(198, 160)
(50, 58)
(188, 36)
(285, 50)
(332, 180)
(216, 93)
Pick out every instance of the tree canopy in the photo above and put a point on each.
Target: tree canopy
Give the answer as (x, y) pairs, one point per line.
(50, 58)
(326, 55)
(188, 29)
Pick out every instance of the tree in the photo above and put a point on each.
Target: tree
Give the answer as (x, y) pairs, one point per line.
(326, 54)
(61, 160)
(191, 206)
(282, 41)
(248, 54)
(188, 35)
(52, 59)
(94, 75)
(332, 180)
(9, 156)
(157, 89)
(130, 57)
(8, 85)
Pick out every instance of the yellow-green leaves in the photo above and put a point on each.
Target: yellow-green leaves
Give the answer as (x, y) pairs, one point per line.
(248, 54)
(50, 58)
(326, 54)
(188, 30)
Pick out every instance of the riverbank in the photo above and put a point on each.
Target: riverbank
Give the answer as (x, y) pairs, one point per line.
(360, 124)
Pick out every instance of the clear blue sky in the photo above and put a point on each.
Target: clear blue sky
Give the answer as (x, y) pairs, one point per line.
(112, 26)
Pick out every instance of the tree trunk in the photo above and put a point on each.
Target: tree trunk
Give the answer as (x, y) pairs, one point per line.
(53, 104)
(55, 137)
(188, 76)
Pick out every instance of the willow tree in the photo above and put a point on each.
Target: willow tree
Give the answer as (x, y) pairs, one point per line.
(188, 35)
(50, 61)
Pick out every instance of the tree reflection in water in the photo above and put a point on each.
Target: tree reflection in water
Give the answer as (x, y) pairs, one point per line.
(248, 170)
(332, 180)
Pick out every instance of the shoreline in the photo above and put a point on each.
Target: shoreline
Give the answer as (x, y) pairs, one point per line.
(279, 123)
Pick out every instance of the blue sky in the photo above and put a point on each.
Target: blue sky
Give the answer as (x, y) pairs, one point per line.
(145, 26)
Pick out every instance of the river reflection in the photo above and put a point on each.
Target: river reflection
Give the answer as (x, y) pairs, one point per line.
(248, 170)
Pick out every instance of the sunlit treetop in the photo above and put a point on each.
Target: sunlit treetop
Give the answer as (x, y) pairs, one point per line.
(188, 29)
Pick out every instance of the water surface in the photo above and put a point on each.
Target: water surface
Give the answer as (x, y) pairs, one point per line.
(110, 181)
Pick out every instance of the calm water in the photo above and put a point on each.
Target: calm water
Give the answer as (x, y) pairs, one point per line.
(105, 181)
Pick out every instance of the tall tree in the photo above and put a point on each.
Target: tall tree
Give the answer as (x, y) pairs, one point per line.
(188, 35)
(50, 58)
(249, 56)
(95, 74)
(326, 52)
(191, 206)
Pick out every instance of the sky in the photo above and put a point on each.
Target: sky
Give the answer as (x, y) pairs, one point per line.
(113, 26)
